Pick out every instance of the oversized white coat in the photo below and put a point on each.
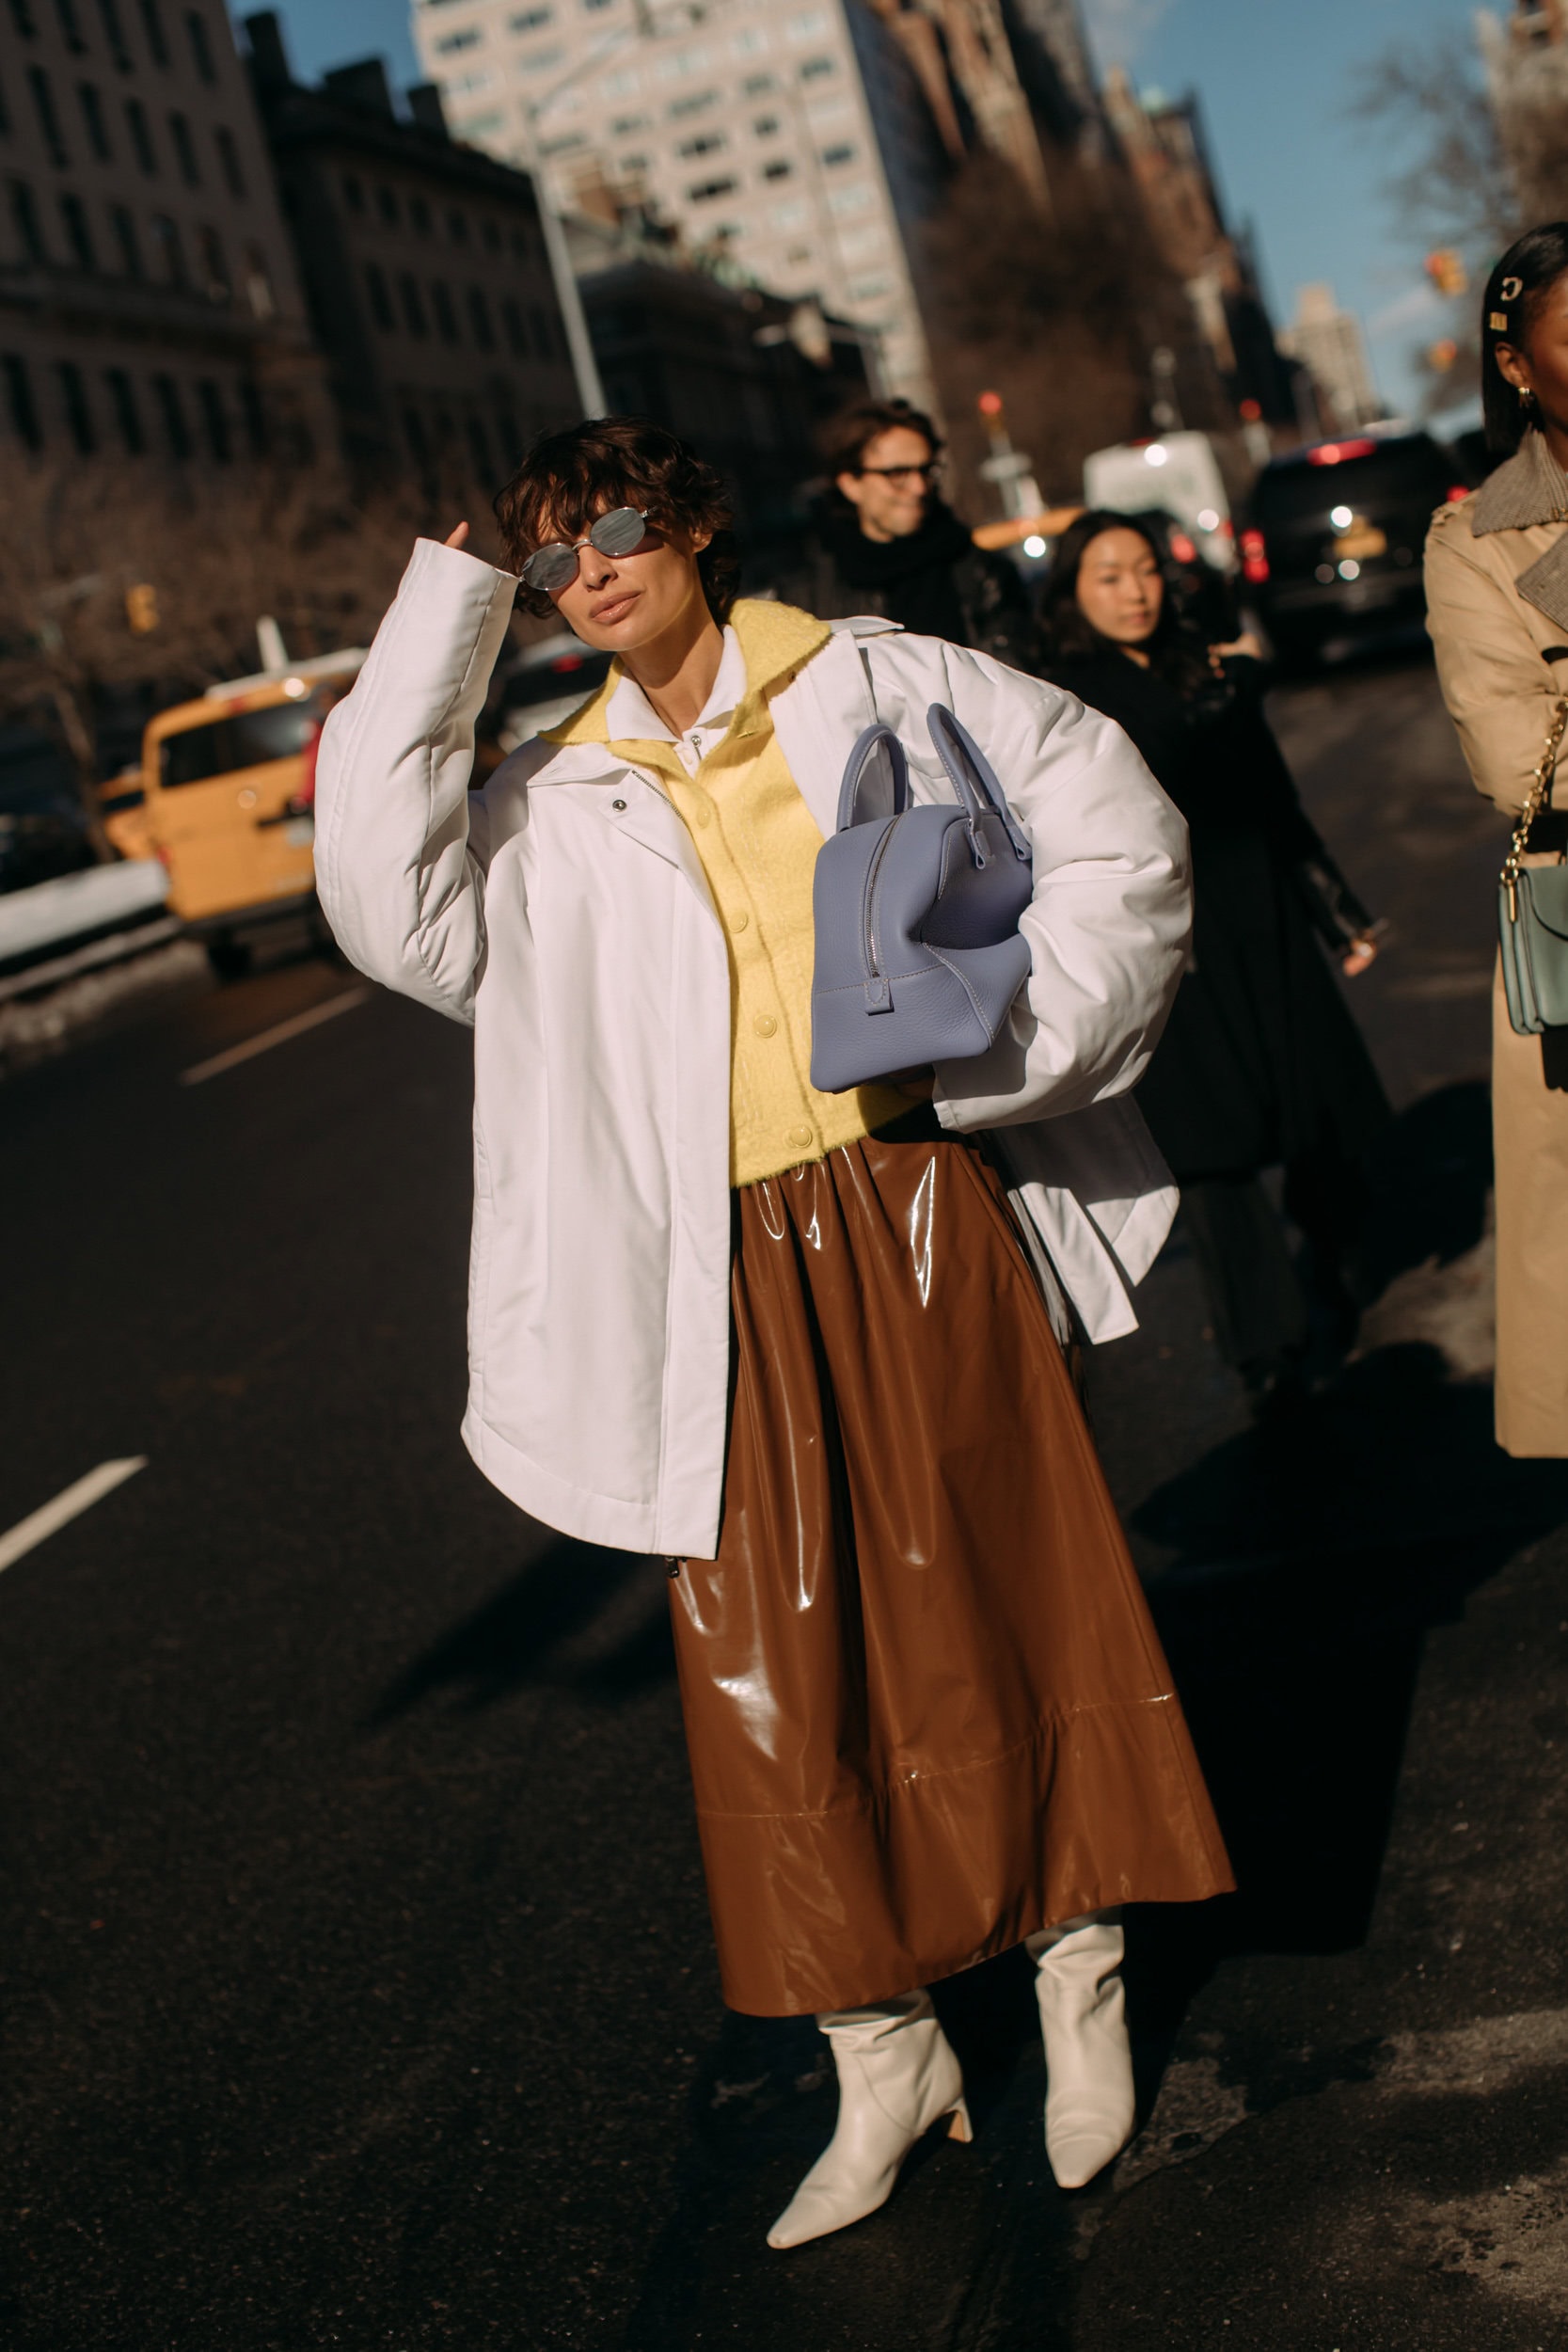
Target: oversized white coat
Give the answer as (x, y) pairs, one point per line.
(563, 911)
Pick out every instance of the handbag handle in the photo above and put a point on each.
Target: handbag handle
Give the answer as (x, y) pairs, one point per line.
(876, 777)
(973, 776)
(1535, 801)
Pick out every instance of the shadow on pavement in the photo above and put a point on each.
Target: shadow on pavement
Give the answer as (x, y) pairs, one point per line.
(577, 1617)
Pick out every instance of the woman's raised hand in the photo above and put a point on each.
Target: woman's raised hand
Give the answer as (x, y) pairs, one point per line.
(459, 537)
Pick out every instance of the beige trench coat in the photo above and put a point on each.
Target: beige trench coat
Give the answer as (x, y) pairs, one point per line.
(1503, 663)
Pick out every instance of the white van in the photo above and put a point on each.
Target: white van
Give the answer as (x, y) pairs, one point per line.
(1179, 472)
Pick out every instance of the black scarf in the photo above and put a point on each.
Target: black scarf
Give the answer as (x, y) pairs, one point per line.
(912, 576)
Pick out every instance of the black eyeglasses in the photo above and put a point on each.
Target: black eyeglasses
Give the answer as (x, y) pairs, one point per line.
(927, 472)
(554, 567)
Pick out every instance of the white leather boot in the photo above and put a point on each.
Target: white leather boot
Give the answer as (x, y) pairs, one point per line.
(896, 2076)
(1088, 2060)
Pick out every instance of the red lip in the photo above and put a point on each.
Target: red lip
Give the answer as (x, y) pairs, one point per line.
(615, 608)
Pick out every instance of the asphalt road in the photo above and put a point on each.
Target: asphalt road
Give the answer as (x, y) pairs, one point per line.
(355, 1973)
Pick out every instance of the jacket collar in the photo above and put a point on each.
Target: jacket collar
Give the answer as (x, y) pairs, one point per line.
(1530, 489)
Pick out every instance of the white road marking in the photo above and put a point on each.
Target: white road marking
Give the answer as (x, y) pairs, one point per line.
(40, 1524)
(345, 1002)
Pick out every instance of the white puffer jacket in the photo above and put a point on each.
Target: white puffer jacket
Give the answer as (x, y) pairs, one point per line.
(562, 910)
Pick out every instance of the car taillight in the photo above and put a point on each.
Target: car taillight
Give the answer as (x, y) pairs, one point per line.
(1458, 492)
(1182, 547)
(1336, 452)
(1255, 556)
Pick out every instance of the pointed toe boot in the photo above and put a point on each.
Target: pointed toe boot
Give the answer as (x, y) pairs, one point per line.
(1088, 2060)
(896, 2076)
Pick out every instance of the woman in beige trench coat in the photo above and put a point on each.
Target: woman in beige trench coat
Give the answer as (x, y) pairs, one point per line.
(1496, 576)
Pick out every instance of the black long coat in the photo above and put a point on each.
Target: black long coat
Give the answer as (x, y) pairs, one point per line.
(1260, 1062)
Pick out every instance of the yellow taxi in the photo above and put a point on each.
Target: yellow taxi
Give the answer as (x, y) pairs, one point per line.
(227, 794)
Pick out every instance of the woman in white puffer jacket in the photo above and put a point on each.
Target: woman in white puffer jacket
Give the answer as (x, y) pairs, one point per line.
(802, 1344)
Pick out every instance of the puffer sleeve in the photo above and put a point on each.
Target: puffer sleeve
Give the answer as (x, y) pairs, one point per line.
(397, 872)
(1500, 694)
(1111, 915)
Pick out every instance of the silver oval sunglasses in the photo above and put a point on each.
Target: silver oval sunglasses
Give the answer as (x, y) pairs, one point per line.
(553, 567)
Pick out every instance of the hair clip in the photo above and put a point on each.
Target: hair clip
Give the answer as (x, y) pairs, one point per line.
(1498, 322)
(1511, 289)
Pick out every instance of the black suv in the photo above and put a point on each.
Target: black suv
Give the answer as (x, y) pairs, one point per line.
(1334, 549)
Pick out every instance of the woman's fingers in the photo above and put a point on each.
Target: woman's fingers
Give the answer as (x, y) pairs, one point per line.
(459, 537)
(1361, 953)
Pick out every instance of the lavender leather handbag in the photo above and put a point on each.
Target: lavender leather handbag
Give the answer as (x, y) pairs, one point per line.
(918, 953)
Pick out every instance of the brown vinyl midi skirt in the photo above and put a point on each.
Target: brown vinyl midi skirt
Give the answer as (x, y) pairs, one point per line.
(927, 1708)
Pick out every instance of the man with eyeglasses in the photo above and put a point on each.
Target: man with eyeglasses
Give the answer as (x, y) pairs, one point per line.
(891, 546)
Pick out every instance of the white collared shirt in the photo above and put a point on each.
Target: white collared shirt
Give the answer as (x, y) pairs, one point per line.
(630, 716)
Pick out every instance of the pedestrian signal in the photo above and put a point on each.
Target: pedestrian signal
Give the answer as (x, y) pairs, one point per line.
(141, 609)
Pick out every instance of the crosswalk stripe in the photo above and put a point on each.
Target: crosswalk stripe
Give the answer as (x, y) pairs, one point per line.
(48, 1520)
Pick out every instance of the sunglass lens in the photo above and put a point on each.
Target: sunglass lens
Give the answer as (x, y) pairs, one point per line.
(619, 532)
(552, 567)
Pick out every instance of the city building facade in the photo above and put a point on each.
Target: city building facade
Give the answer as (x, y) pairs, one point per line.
(1330, 344)
(148, 300)
(425, 273)
(796, 141)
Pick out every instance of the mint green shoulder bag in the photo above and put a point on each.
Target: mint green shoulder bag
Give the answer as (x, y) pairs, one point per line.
(1532, 912)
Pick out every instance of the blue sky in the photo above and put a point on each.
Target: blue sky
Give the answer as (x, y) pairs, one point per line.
(1276, 79)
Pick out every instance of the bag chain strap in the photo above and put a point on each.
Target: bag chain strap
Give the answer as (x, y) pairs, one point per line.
(1535, 801)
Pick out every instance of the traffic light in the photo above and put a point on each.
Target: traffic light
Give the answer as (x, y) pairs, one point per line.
(141, 609)
(1445, 268)
(1441, 356)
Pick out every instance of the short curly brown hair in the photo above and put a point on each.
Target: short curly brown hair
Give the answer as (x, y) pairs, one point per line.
(568, 478)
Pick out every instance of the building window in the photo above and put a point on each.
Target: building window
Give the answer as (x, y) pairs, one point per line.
(419, 215)
(479, 319)
(70, 28)
(77, 234)
(354, 193)
(413, 305)
(43, 101)
(26, 24)
(19, 402)
(152, 25)
(543, 334)
(4, 113)
(778, 169)
(631, 167)
(625, 125)
(446, 317)
(845, 203)
(529, 20)
(831, 155)
(122, 400)
(813, 69)
(166, 239)
(228, 161)
(694, 102)
(381, 300)
(449, 43)
(511, 436)
(73, 398)
(414, 433)
(126, 238)
(707, 190)
(766, 125)
(758, 84)
(92, 117)
(201, 51)
(141, 138)
(214, 265)
(387, 206)
(215, 420)
(185, 149)
(114, 33)
(177, 431)
(706, 143)
(516, 334)
(478, 443)
(254, 415)
(258, 283)
(24, 220)
(457, 227)
(491, 236)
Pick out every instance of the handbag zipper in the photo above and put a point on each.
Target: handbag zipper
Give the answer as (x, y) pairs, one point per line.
(878, 997)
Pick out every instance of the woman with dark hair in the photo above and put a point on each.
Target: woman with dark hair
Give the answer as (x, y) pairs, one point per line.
(793, 1341)
(1260, 1065)
(1496, 576)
